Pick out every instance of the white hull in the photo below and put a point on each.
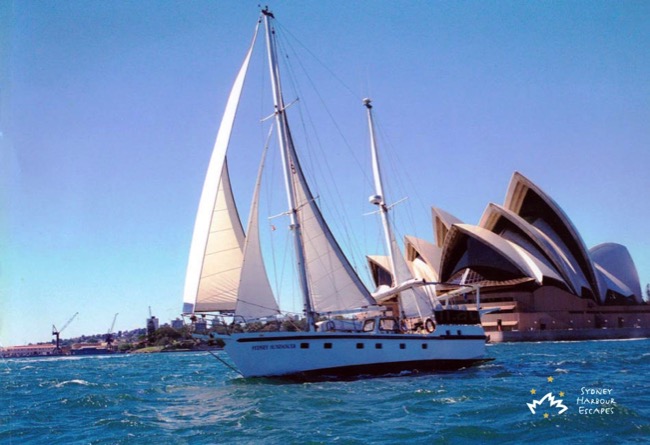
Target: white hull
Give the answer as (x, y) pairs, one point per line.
(322, 354)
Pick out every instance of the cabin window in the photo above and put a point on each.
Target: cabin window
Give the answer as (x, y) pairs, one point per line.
(448, 332)
(304, 345)
(459, 332)
(378, 345)
(369, 325)
(425, 346)
(359, 345)
(388, 324)
(402, 345)
(327, 345)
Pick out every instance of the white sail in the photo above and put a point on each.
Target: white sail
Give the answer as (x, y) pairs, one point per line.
(335, 285)
(208, 263)
(255, 297)
(223, 257)
(414, 302)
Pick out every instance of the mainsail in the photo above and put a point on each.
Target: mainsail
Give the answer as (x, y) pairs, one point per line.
(335, 285)
(328, 281)
(218, 239)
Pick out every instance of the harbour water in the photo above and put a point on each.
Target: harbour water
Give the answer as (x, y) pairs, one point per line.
(191, 398)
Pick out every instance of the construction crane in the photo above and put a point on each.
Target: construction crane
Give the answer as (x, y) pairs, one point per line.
(56, 331)
(109, 334)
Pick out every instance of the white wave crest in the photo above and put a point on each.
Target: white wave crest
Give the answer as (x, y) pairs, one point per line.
(74, 382)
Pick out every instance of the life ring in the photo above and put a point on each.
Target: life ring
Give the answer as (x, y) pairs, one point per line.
(429, 325)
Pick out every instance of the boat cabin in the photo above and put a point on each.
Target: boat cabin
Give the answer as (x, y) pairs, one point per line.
(381, 325)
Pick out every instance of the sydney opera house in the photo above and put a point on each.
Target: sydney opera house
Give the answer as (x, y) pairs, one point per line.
(537, 279)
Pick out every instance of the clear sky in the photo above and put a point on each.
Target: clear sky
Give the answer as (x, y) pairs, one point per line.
(109, 110)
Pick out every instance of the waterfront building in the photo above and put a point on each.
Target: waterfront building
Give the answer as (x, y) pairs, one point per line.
(41, 349)
(533, 269)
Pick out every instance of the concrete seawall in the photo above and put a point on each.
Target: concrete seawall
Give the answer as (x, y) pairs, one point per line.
(568, 335)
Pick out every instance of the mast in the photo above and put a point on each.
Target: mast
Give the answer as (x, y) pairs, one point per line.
(378, 198)
(284, 139)
(410, 300)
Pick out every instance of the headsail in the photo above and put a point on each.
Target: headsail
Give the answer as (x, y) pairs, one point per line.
(255, 297)
(223, 256)
(218, 238)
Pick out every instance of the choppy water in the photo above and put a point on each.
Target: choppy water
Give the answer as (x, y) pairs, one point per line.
(191, 398)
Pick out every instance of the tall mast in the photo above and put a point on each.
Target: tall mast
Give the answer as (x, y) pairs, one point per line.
(285, 142)
(378, 198)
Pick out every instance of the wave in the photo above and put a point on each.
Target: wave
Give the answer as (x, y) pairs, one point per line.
(74, 382)
(162, 398)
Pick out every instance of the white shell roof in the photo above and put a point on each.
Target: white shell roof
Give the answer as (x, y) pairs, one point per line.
(617, 261)
(544, 245)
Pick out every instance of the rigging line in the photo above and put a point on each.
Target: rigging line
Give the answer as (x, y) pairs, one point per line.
(399, 181)
(224, 362)
(329, 113)
(293, 80)
(279, 281)
(260, 306)
(333, 74)
(333, 120)
(341, 221)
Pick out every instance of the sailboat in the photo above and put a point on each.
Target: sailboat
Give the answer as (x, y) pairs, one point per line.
(400, 329)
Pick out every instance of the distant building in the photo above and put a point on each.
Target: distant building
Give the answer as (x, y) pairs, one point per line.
(89, 349)
(152, 324)
(41, 349)
(533, 269)
(177, 323)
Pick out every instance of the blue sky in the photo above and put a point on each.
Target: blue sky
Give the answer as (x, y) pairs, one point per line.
(109, 110)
